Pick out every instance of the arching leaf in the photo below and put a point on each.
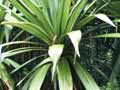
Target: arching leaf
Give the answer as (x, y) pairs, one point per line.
(104, 18)
(39, 77)
(75, 37)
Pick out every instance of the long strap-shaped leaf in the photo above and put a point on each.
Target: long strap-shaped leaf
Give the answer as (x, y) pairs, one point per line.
(31, 28)
(58, 16)
(86, 78)
(39, 77)
(18, 42)
(11, 62)
(87, 19)
(64, 76)
(19, 50)
(26, 63)
(75, 13)
(44, 21)
(65, 14)
(84, 21)
(44, 15)
(45, 61)
(59, 10)
(27, 84)
(110, 35)
(24, 10)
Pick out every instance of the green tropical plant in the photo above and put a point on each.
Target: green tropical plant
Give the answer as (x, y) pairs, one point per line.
(52, 22)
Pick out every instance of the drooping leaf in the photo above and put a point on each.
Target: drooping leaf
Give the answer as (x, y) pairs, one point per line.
(104, 18)
(18, 51)
(75, 37)
(18, 42)
(31, 28)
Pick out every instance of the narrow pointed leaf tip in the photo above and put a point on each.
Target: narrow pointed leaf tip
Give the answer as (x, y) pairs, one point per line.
(75, 37)
(105, 18)
(110, 35)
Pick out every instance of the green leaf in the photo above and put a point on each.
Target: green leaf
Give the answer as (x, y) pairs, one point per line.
(84, 21)
(27, 84)
(28, 14)
(104, 18)
(6, 77)
(110, 35)
(64, 75)
(85, 77)
(31, 28)
(2, 34)
(88, 7)
(43, 19)
(2, 14)
(58, 16)
(65, 13)
(18, 42)
(75, 37)
(27, 62)
(45, 61)
(39, 77)
(19, 50)
(55, 52)
(10, 62)
(75, 12)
